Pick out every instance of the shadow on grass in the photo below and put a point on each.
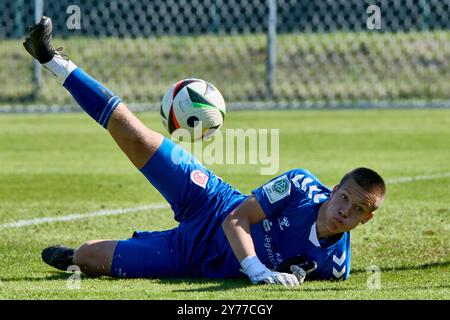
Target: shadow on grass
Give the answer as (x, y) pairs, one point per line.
(406, 268)
(55, 276)
(206, 285)
(61, 275)
(214, 285)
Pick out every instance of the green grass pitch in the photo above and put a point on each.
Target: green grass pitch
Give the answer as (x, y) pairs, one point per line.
(60, 164)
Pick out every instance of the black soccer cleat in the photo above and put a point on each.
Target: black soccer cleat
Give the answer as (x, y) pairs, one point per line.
(58, 257)
(39, 41)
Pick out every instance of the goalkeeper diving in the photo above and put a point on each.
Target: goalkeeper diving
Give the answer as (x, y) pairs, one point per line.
(288, 229)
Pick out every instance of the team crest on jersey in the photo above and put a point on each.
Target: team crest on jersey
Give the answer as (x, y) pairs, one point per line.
(281, 186)
(199, 178)
(278, 189)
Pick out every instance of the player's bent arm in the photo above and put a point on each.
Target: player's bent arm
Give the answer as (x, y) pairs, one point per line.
(236, 227)
(137, 141)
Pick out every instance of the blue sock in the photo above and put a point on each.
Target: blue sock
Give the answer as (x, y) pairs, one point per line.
(97, 100)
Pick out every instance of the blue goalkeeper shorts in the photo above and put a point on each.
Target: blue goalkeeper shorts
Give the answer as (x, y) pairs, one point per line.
(198, 198)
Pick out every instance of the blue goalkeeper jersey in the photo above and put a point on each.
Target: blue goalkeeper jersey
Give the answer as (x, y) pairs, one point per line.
(201, 201)
(291, 203)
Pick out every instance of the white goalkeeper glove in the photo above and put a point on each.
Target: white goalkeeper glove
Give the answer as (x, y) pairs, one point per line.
(259, 273)
(299, 273)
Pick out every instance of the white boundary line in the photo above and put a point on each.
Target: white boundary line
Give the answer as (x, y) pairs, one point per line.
(155, 206)
(417, 178)
(78, 216)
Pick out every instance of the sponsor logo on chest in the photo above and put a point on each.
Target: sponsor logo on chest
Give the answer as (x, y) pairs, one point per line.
(283, 223)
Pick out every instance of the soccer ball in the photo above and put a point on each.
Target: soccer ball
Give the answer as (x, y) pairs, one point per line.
(195, 106)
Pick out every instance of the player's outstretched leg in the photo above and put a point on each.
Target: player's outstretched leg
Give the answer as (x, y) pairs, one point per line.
(137, 141)
(98, 101)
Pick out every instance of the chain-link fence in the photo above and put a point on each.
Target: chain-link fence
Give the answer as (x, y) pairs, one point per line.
(315, 53)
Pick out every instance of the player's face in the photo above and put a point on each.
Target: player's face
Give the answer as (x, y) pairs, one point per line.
(349, 205)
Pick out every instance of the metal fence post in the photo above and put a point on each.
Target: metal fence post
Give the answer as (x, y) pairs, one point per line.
(425, 13)
(37, 69)
(271, 47)
(214, 27)
(19, 13)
